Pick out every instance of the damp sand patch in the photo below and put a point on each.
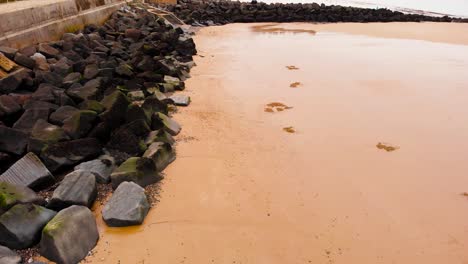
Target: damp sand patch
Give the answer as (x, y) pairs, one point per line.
(387, 147)
(276, 107)
(289, 129)
(292, 67)
(295, 84)
(276, 29)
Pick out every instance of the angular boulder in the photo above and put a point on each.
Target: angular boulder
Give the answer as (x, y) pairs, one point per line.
(116, 106)
(130, 138)
(141, 171)
(159, 136)
(92, 105)
(44, 134)
(77, 188)
(11, 195)
(9, 52)
(29, 118)
(101, 168)
(62, 114)
(69, 236)
(180, 99)
(12, 140)
(25, 61)
(21, 226)
(128, 206)
(29, 171)
(47, 50)
(61, 154)
(8, 256)
(167, 123)
(14, 80)
(79, 124)
(8, 106)
(161, 153)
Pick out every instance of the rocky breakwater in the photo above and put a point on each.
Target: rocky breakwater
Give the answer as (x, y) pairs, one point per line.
(223, 12)
(94, 107)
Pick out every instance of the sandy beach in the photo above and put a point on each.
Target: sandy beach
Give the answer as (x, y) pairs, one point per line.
(245, 190)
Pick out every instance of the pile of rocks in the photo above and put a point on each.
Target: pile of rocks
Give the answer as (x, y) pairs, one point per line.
(222, 12)
(94, 107)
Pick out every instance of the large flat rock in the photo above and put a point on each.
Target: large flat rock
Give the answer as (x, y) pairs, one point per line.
(28, 171)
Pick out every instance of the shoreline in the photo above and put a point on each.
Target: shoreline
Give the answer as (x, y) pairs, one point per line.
(236, 194)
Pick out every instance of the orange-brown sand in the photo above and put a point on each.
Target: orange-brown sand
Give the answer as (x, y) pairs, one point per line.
(244, 191)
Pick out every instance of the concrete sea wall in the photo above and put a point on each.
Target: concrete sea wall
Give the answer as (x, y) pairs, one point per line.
(31, 22)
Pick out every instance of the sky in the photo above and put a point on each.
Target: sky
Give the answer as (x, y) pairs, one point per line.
(451, 7)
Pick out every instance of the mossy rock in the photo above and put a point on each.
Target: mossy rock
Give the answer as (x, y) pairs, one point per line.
(116, 107)
(159, 136)
(69, 236)
(141, 171)
(20, 227)
(92, 105)
(11, 195)
(44, 134)
(79, 124)
(171, 126)
(161, 153)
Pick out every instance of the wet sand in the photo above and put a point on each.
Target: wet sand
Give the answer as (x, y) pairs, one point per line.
(244, 190)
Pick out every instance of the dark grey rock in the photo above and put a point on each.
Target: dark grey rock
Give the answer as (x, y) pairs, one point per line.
(71, 78)
(28, 51)
(77, 188)
(14, 80)
(79, 124)
(11, 195)
(171, 126)
(69, 236)
(49, 77)
(12, 140)
(67, 153)
(133, 33)
(44, 134)
(62, 114)
(8, 106)
(87, 92)
(28, 171)
(29, 118)
(41, 62)
(9, 52)
(48, 51)
(101, 168)
(91, 71)
(25, 61)
(45, 92)
(92, 105)
(161, 153)
(159, 136)
(130, 138)
(141, 171)
(8, 256)
(21, 226)
(180, 99)
(124, 70)
(116, 106)
(34, 104)
(128, 206)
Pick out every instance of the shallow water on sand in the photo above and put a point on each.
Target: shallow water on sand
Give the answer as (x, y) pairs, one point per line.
(244, 190)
